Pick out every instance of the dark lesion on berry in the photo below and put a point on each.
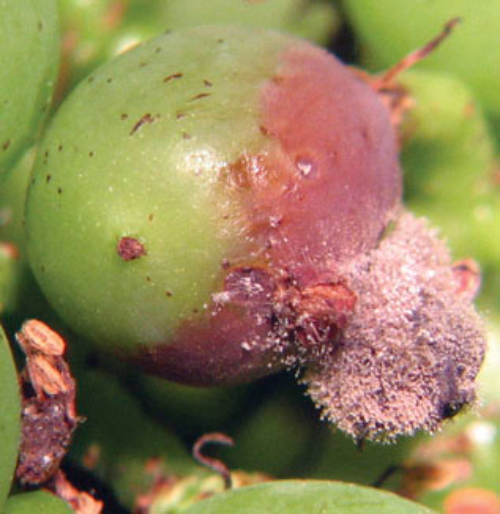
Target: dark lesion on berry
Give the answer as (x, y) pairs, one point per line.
(130, 248)
(451, 409)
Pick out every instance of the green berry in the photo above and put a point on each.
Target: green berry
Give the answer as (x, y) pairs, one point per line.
(216, 205)
(202, 163)
(389, 29)
(29, 58)
(41, 502)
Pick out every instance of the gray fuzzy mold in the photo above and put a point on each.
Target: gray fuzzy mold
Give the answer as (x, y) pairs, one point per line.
(411, 352)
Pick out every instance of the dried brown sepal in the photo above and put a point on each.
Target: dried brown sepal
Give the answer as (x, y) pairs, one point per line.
(36, 336)
(48, 405)
(81, 502)
(391, 93)
(214, 464)
(410, 354)
(386, 80)
(45, 438)
(436, 475)
(468, 277)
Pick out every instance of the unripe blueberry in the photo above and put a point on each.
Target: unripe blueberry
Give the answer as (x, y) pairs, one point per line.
(29, 58)
(199, 201)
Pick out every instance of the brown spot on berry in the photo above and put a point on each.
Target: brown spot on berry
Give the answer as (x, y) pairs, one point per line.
(174, 76)
(199, 96)
(6, 145)
(146, 118)
(130, 248)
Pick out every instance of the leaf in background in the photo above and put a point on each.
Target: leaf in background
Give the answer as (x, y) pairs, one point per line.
(10, 416)
(41, 502)
(306, 497)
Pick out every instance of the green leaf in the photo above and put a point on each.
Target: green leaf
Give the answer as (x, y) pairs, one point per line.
(10, 415)
(306, 497)
(41, 502)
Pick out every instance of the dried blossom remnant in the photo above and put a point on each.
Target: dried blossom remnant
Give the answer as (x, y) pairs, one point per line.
(468, 277)
(411, 352)
(392, 94)
(36, 336)
(80, 502)
(49, 415)
(46, 435)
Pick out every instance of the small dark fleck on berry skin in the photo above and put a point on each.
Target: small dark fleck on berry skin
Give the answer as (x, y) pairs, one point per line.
(59, 191)
(42, 269)
(142, 64)
(90, 80)
(124, 116)
(199, 96)
(207, 83)
(40, 25)
(60, 148)
(130, 248)
(109, 80)
(150, 217)
(146, 118)
(220, 41)
(148, 278)
(172, 77)
(264, 131)
(157, 50)
(169, 293)
(6, 145)
(48, 178)
(46, 153)
(180, 115)
(185, 135)
(91, 154)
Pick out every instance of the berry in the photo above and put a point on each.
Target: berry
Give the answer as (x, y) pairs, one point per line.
(221, 203)
(29, 57)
